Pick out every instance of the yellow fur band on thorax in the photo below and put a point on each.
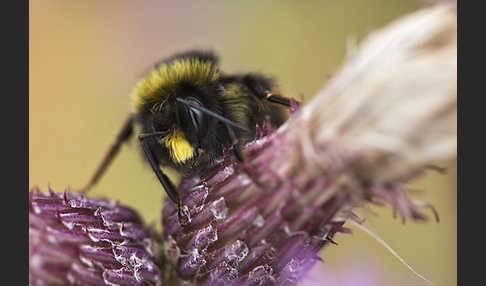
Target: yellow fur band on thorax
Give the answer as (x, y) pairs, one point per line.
(154, 89)
(179, 148)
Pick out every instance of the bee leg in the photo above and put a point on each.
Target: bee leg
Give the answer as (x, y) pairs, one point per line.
(236, 146)
(124, 134)
(163, 179)
(275, 98)
(261, 86)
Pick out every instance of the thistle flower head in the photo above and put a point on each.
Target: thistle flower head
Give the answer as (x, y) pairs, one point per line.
(250, 225)
(87, 241)
(360, 140)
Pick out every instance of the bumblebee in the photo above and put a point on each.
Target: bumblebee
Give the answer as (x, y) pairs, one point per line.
(188, 113)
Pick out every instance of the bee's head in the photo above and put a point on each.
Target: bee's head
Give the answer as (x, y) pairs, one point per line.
(187, 118)
(192, 76)
(187, 127)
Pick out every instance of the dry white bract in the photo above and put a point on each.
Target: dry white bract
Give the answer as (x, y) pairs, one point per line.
(393, 105)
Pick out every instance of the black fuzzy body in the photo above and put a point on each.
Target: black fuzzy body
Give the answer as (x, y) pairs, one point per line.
(248, 107)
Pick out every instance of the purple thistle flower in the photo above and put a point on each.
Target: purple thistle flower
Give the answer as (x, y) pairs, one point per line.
(249, 225)
(263, 222)
(358, 141)
(86, 241)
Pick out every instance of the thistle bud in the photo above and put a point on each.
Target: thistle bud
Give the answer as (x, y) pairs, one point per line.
(88, 241)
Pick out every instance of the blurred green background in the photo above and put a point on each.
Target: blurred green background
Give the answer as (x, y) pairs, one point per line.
(85, 57)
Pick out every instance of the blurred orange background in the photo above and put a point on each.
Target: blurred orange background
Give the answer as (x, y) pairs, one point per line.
(85, 57)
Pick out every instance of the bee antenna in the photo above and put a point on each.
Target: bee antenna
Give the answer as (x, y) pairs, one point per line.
(212, 113)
